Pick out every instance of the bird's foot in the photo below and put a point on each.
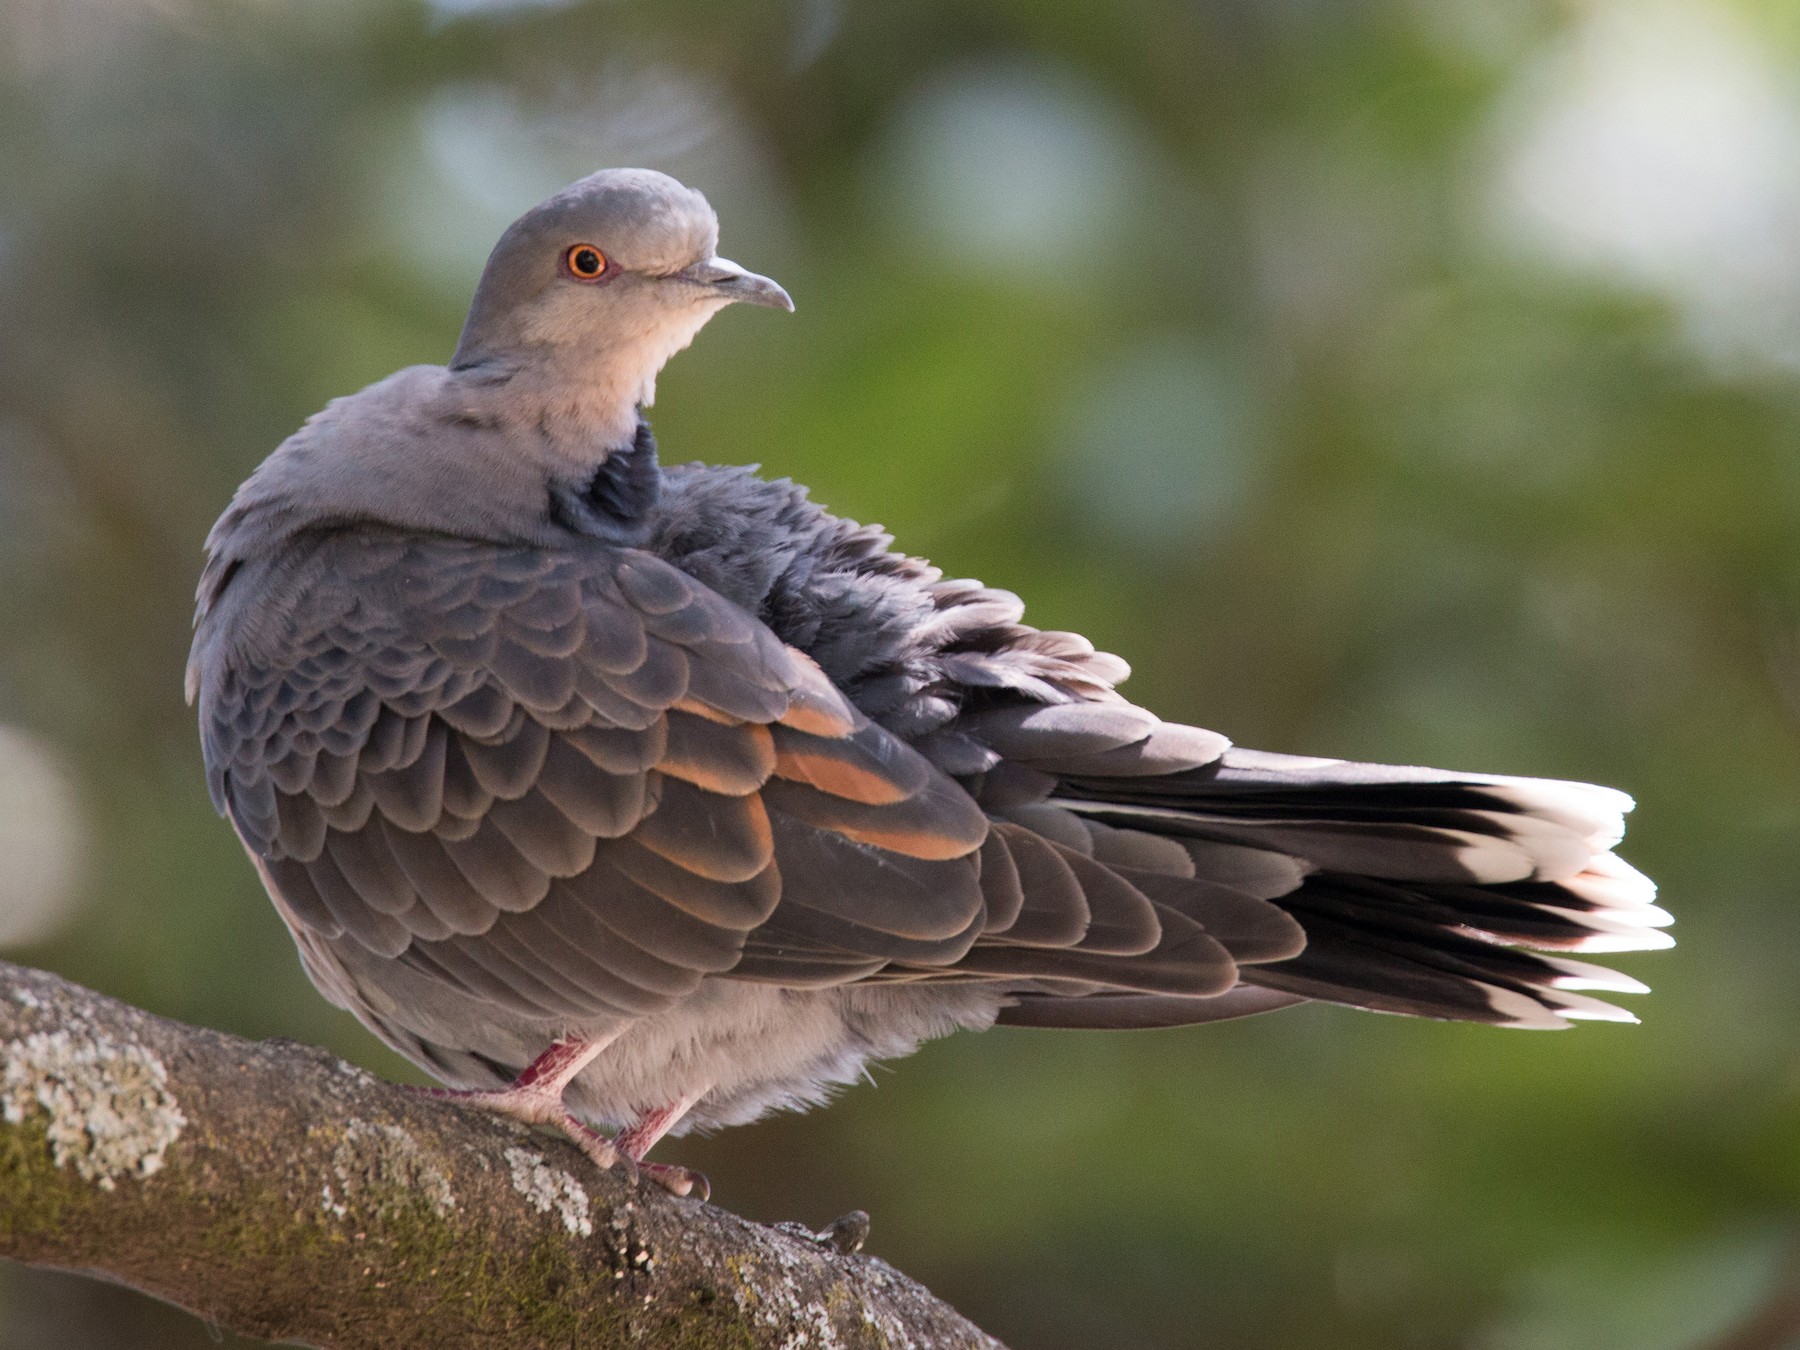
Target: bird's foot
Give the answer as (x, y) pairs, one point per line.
(532, 1105)
(535, 1097)
(636, 1139)
(613, 1154)
(677, 1180)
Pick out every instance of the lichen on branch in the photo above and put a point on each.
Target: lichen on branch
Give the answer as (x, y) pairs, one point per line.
(282, 1193)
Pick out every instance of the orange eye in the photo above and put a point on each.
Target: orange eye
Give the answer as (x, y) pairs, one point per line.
(585, 262)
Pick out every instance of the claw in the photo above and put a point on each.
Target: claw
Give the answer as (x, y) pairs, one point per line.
(678, 1180)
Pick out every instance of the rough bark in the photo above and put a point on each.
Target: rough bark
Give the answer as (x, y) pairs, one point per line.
(283, 1193)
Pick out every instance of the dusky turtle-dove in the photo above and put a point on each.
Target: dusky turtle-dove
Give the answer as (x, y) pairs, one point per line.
(647, 798)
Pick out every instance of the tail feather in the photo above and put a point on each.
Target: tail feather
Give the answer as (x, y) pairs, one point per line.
(1423, 890)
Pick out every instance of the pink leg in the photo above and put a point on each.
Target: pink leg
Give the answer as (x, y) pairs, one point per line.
(639, 1137)
(536, 1097)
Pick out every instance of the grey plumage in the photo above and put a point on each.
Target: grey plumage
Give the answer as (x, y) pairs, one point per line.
(533, 739)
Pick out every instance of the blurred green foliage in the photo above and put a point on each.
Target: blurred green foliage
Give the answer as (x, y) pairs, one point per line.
(1400, 379)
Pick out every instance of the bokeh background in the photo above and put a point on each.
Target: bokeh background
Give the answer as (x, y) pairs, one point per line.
(1401, 379)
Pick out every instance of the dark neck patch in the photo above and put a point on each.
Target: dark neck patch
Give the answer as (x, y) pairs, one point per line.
(615, 502)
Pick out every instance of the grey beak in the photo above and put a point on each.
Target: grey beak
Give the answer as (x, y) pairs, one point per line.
(725, 278)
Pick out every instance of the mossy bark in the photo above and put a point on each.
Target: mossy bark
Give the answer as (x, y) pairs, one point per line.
(282, 1193)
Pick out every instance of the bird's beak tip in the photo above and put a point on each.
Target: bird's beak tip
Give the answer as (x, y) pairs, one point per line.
(758, 290)
(734, 283)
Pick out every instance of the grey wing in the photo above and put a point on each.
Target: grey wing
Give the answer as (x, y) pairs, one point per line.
(566, 783)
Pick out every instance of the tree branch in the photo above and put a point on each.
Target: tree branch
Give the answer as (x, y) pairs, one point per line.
(283, 1193)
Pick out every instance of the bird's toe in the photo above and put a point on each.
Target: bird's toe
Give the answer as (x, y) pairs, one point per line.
(677, 1180)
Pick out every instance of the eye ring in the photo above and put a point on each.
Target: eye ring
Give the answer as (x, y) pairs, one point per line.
(585, 262)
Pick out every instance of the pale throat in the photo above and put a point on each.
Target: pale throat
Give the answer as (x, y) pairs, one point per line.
(585, 394)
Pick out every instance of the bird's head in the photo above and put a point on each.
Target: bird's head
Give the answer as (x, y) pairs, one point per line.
(604, 282)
